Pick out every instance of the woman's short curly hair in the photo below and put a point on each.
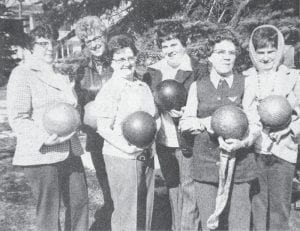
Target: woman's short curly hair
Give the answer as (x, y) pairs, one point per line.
(118, 42)
(89, 25)
(219, 36)
(41, 31)
(170, 30)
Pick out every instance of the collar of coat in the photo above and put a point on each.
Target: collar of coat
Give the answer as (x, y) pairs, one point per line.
(52, 78)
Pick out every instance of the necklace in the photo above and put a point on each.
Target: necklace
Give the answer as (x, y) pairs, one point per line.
(260, 94)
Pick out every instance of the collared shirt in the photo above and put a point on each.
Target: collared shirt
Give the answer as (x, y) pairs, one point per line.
(117, 99)
(215, 78)
(192, 106)
(192, 101)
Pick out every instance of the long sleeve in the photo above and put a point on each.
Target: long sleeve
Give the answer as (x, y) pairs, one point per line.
(250, 108)
(19, 106)
(108, 103)
(190, 111)
(295, 124)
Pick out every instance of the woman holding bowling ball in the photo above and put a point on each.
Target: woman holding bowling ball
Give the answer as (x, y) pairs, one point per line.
(173, 149)
(276, 148)
(51, 163)
(129, 168)
(217, 86)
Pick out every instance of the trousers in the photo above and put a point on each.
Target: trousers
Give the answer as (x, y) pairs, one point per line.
(272, 204)
(131, 185)
(175, 168)
(236, 215)
(50, 183)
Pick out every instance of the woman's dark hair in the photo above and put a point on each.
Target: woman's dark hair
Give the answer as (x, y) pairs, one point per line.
(265, 37)
(42, 31)
(219, 36)
(170, 30)
(119, 42)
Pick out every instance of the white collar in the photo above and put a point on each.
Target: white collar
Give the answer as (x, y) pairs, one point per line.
(123, 81)
(215, 78)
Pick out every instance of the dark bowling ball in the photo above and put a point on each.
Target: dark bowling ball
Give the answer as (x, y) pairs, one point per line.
(275, 112)
(229, 122)
(139, 129)
(61, 119)
(90, 115)
(170, 94)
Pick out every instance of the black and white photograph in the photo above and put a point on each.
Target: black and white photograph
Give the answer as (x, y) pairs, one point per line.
(149, 115)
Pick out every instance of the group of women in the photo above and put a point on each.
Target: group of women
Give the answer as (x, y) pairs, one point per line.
(186, 149)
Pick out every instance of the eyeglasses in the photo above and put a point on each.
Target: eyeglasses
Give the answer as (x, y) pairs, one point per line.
(224, 52)
(43, 44)
(123, 60)
(46, 44)
(98, 38)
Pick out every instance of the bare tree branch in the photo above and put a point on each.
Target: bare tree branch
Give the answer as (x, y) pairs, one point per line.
(211, 10)
(191, 5)
(236, 17)
(221, 16)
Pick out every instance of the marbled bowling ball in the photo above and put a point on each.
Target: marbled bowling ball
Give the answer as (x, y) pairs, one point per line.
(275, 112)
(61, 119)
(170, 94)
(229, 122)
(139, 129)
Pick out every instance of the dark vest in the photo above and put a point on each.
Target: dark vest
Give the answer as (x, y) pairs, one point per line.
(206, 148)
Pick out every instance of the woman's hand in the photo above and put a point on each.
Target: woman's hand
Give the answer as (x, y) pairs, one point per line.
(55, 139)
(230, 145)
(278, 135)
(175, 113)
(132, 149)
(191, 124)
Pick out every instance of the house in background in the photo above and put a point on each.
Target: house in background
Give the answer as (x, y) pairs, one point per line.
(68, 44)
(23, 17)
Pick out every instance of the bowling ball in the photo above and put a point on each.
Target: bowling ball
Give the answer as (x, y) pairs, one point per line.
(61, 119)
(90, 113)
(139, 129)
(170, 94)
(275, 112)
(229, 122)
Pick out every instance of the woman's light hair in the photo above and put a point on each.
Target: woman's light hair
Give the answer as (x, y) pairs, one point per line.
(89, 25)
